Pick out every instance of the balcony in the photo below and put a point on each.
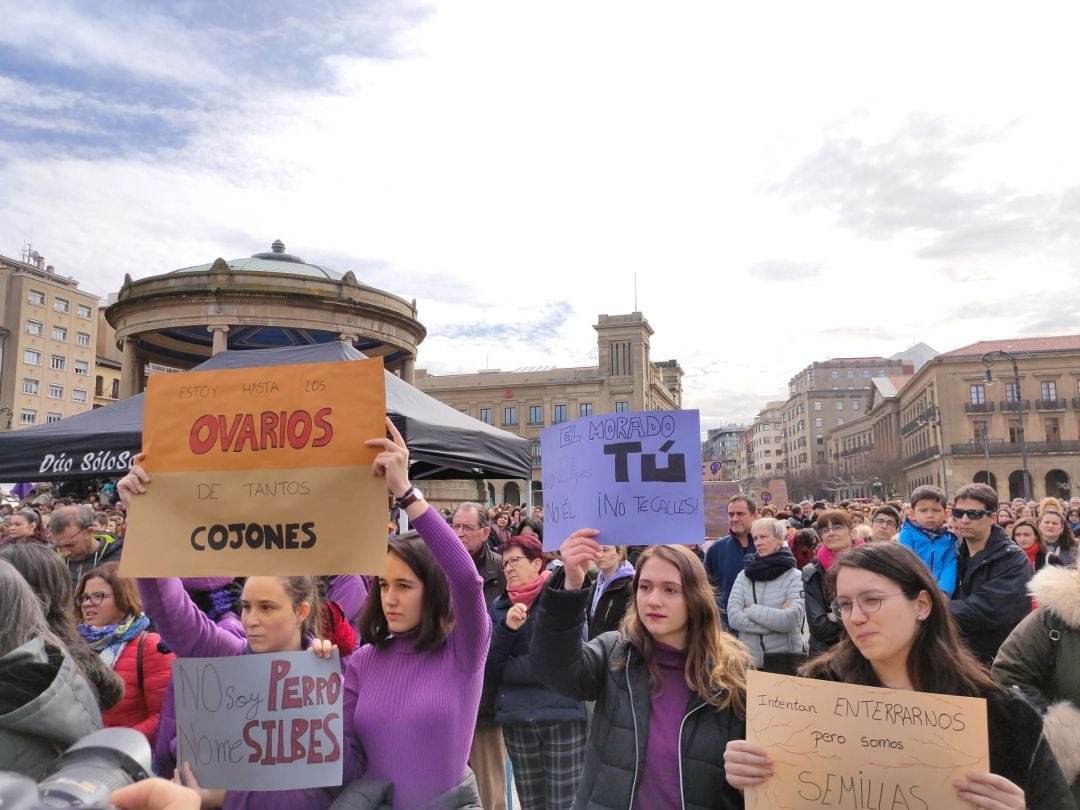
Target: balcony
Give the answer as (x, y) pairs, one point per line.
(912, 426)
(1015, 405)
(997, 447)
(923, 455)
(1076, 403)
(978, 407)
(1049, 404)
(855, 451)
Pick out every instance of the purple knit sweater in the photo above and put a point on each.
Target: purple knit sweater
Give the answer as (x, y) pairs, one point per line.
(191, 634)
(409, 715)
(660, 781)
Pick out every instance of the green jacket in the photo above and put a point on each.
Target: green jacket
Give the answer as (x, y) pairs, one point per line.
(1028, 660)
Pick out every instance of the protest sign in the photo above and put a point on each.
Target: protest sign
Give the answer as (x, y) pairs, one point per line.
(839, 745)
(717, 495)
(260, 722)
(712, 471)
(636, 477)
(778, 492)
(261, 471)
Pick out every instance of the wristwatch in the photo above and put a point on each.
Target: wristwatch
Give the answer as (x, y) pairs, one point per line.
(411, 496)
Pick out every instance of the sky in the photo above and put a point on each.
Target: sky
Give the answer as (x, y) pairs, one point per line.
(781, 182)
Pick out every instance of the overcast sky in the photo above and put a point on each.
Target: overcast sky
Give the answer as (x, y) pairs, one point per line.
(789, 182)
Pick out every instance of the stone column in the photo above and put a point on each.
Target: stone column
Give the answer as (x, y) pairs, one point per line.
(408, 369)
(130, 369)
(221, 338)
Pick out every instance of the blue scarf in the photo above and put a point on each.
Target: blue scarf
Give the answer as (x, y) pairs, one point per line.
(109, 641)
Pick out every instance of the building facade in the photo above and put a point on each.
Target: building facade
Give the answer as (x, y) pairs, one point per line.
(762, 447)
(826, 395)
(722, 444)
(527, 400)
(47, 354)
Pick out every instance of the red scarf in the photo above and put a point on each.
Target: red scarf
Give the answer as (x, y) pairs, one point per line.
(526, 594)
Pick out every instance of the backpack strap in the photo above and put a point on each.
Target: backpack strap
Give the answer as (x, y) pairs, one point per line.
(1055, 625)
(139, 659)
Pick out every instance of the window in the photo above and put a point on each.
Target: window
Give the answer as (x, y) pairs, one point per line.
(51, 417)
(981, 429)
(767, 440)
(82, 339)
(116, 389)
(836, 375)
(61, 305)
(851, 373)
(866, 372)
(99, 386)
(855, 405)
(977, 394)
(536, 415)
(78, 395)
(35, 328)
(839, 404)
(32, 357)
(27, 416)
(56, 391)
(510, 416)
(1053, 429)
(31, 386)
(839, 420)
(1012, 392)
(1014, 431)
(818, 422)
(1049, 391)
(535, 452)
(585, 409)
(83, 311)
(820, 439)
(59, 333)
(58, 362)
(82, 367)
(485, 415)
(881, 372)
(35, 297)
(620, 359)
(622, 407)
(558, 414)
(817, 406)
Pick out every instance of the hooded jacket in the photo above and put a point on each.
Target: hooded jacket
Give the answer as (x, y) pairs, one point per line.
(45, 706)
(615, 755)
(1048, 676)
(991, 593)
(612, 604)
(936, 548)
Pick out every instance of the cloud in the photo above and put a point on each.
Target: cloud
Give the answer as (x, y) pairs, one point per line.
(783, 270)
(540, 331)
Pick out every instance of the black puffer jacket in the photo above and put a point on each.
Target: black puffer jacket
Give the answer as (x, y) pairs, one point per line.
(490, 568)
(521, 697)
(611, 607)
(824, 631)
(615, 757)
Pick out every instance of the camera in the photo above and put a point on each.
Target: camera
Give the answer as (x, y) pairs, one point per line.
(83, 776)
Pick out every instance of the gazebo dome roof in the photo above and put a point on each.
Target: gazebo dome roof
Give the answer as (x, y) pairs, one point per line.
(276, 261)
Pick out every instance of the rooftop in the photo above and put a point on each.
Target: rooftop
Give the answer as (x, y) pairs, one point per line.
(1060, 343)
(275, 261)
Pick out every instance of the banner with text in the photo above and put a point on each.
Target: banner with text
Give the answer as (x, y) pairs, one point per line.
(636, 477)
(260, 722)
(261, 471)
(839, 745)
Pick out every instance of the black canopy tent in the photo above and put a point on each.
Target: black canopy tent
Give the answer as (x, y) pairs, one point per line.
(443, 443)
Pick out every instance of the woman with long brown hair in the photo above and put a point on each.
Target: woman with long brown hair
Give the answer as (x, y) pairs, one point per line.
(669, 685)
(901, 635)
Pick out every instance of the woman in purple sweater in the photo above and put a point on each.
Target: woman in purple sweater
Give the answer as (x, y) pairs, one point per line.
(412, 690)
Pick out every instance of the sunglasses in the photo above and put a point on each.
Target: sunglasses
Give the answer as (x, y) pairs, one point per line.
(970, 514)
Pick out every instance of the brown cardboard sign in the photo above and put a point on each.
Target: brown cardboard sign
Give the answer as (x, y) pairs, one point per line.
(839, 745)
(261, 471)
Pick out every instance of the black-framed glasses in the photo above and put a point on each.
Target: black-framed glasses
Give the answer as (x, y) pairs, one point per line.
(868, 603)
(512, 561)
(94, 599)
(970, 514)
(884, 522)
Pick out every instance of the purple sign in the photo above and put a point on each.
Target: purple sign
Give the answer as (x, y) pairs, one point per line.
(636, 477)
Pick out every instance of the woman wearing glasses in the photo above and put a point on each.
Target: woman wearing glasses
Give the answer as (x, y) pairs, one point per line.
(900, 635)
(544, 731)
(115, 627)
(837, 539)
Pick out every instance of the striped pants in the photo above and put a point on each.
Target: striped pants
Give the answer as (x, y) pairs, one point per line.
(548, 759)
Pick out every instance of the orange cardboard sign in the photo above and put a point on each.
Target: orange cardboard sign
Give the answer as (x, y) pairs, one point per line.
(840, 745)
(261, 471)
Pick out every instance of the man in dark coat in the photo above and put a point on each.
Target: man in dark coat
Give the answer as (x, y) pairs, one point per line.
(724, 559)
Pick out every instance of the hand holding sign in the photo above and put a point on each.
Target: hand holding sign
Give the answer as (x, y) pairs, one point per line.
(134, 483)
(578, 552)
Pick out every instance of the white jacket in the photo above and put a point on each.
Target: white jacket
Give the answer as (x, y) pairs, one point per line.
(765, 626)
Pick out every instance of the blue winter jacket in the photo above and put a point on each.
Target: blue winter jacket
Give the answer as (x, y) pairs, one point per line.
(724, 562)
(936, 548)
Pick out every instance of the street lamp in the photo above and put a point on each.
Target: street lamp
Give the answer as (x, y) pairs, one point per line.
(988, 361)
(932, 414)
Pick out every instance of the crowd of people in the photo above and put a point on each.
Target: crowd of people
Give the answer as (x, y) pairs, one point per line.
(609, 676)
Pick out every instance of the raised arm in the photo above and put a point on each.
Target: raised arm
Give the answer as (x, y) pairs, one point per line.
(186, 629)
(472, 627)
